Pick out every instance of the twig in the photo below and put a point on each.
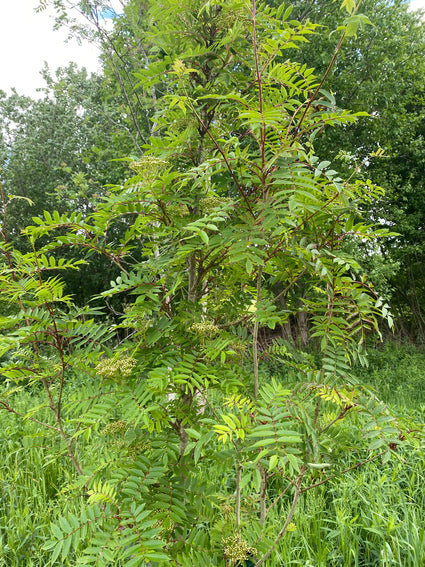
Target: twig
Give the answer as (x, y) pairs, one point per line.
(255, 336)
(328, 70)
(344, 471)
(291, 512)
(238, 494)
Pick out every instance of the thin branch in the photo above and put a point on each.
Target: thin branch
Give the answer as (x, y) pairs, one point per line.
(226, 161)
(356, 466)
(288, 287)
(238, 494)
(260, 87)
(341, 415)
(263, 495)
(281, 495)
(232, 323)
(255, 336)
(325, 76)
(8, 408)
(289, 517)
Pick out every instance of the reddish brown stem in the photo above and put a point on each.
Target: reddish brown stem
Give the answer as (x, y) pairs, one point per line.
(328, 70)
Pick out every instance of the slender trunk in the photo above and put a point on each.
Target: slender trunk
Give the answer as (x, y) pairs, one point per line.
(184, 439)
(72, 454)
(263, 495)
(302, 327)
(187, 398)
(286, 326)
(297, 494)
(192, 295)
(415, 304)
(238, 494)
(255, 337)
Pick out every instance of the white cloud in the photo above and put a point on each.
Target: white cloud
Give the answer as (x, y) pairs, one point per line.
(27, 40)
(417, 5)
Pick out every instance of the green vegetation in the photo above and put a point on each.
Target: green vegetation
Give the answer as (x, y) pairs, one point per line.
(200, 394)
(374, 516)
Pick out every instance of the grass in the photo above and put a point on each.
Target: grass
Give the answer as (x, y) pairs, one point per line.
(374, 517)
(397, 371)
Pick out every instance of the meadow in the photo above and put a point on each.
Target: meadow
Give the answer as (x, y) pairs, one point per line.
(373, 517)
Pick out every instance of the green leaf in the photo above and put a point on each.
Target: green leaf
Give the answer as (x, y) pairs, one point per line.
(273, 462)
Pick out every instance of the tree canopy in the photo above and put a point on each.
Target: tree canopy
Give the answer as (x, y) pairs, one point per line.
(378, 70)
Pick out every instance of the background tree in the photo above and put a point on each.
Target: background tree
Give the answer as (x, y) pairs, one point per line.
(61, 151)
(382, 72)
(119, 29)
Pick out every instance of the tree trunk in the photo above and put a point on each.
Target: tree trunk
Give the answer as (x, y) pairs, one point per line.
(192, 293)
(302, 327)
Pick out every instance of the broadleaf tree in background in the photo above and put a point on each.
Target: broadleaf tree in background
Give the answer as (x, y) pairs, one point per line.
(382, 72)
(124, 49)
(60, 151)
(227, 203)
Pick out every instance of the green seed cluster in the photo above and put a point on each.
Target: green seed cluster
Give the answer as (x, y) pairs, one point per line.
(237, 550)
(177, 211)
(137, 448)
(148, 165)
(115, 428)
(207, 204)
(227, 19)
(205, 329)
(116, 367)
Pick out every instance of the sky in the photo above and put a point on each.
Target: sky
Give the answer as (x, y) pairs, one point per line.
(418, 4)
(27, 39)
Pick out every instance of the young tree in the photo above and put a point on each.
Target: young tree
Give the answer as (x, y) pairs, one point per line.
(227, 201)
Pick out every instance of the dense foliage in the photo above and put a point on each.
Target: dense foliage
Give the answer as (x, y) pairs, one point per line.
(380, 71)
(229, 228)
(59, 153)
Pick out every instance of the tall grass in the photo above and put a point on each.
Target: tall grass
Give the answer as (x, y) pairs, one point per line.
(32, 476)
(397, 371)
(374, 517)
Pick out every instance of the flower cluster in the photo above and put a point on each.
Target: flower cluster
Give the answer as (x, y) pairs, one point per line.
(177, 210)
(204, 329)
(148, 165)
(116, 368)
(115, 428)
(137, 448)
(211, 202)
(237, 550)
